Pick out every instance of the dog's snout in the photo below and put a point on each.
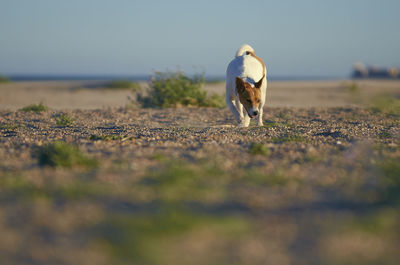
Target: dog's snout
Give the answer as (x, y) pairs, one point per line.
(255, 113)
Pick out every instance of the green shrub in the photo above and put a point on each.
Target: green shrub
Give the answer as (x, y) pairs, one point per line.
(35, 107)
(174, 89)
(258, 149)
(353, 88)
(61, 154)
(63, 120)
(123, 84)
(216, 101)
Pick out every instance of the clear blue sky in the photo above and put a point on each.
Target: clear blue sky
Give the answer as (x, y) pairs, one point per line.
(295, 38)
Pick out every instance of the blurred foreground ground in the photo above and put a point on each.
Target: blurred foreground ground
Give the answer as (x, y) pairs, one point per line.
(318, 184)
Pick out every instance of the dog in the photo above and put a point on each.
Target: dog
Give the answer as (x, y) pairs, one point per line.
(246, 86)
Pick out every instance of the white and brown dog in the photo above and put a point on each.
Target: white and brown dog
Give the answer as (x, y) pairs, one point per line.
(246, 86)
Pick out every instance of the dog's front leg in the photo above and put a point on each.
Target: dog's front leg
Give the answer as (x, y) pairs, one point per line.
(244, 118)
(260, 117)
(245, 121)
(239, 107)
(233, 109)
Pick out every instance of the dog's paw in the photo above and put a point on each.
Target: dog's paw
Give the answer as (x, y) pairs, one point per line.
(260, 124)
(243, 125)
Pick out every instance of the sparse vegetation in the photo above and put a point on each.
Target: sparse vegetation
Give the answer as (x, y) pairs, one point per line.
(174, 89)
(387, 104)
(112, 137)
(63, 119)
(215, 101)
(353, 87)
(35, 108)
(283, 115)
(259, 149)
(385, 134)
(123, 84)
(288, 138)
(62, 154)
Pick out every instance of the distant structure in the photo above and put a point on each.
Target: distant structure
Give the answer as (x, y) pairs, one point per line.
(362, 71)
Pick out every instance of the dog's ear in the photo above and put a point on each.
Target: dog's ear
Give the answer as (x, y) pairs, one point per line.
(239, 85)
(259, 83)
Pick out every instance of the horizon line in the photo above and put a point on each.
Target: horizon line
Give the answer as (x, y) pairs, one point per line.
(145, 77)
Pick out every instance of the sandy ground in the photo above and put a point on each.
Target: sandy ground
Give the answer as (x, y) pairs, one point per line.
(92, 95)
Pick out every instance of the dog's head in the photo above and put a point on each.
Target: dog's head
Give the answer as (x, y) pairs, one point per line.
(249, 96)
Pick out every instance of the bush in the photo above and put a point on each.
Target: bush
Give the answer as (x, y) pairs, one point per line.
(61, 154)
(63, 119)
(174, 89)
(216, 101)
(35, 108)
(259, 149)
(353, 88)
